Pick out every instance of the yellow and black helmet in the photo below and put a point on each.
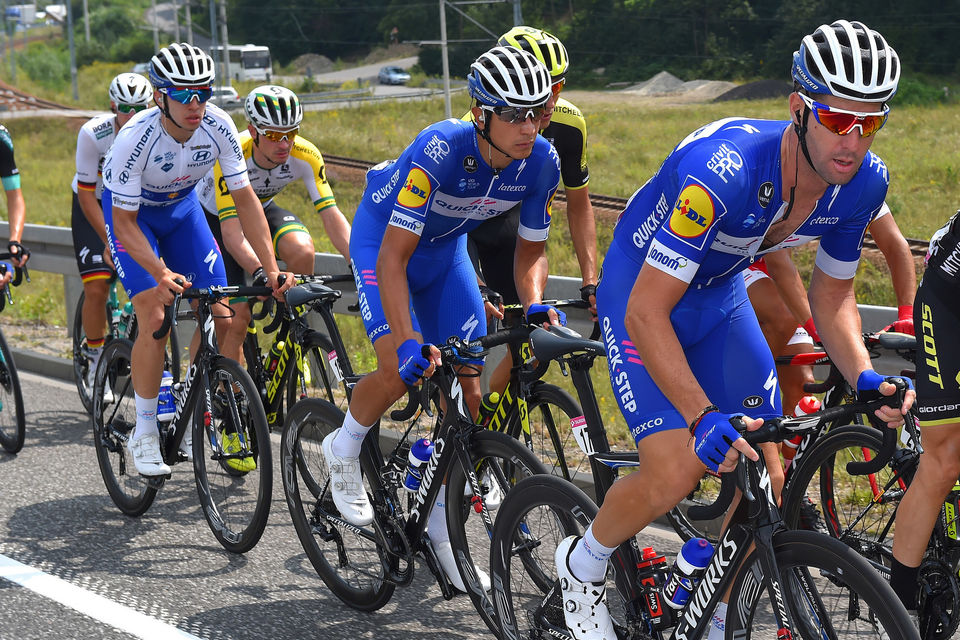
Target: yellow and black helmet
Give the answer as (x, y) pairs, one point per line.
(545, 46)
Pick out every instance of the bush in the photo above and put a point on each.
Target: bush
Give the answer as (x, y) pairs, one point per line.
(47, 66)
(914, 91)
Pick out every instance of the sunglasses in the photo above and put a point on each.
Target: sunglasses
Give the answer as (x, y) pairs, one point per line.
(131, 108)
(184, 95)
(842, 122)
(557, 87)
(513, 115)
(279, 136)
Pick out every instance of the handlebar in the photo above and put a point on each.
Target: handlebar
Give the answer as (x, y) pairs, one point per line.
(211, 294)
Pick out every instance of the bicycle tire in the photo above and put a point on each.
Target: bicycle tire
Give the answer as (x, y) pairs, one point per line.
(235, 491)
(315, 371)
(80, 364)
(349, 564)
(537, 514)
(861, 601)
(822, 496)
(550, 410)
(497, 458)
(13, 423)
(112, 426)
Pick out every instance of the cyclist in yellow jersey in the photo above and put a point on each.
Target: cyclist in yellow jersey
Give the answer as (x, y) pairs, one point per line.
(275, 157)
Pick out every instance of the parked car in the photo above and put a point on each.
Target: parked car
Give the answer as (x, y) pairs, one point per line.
(225, 97)
(141, 67)
(393, 75)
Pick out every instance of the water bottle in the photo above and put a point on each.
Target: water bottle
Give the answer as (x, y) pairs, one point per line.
(165, 403)
(807, 405)
(488, 404)
(693, 558)
(123, 327)
(275, 352)
(420, 454)
(951, 512)
(651, 571)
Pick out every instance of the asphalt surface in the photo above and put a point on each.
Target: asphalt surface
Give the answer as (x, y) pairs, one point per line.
(91, 572)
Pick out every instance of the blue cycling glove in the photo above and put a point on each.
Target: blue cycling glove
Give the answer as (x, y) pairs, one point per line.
(713, 436)
(868, 384)
(410, 361)
(539, 314)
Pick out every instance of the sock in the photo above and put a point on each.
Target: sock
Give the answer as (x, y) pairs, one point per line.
(719, 621)
(903, 579)
(94, 352)
(349, 438)
(588, 560)
(437, 520)
(146, 416)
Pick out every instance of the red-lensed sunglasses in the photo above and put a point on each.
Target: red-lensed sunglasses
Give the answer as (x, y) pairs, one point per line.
(842, 122)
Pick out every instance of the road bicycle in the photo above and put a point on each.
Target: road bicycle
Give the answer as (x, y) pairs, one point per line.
(121, 323)
(364, 565)
(783, 584)
(13, 423)
(219, 404)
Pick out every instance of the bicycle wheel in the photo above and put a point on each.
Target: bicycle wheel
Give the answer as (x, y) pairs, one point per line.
(81, 365)
(856, 509)
(828, 590)
(535, 517)
(232, 459)
(550, 410)
(348, 562)
(498, 462)
(318, 375)
(112, 425)
(13, 422)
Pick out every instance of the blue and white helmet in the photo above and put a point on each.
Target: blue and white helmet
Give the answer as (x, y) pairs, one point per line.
(509, 77)
(847, 60)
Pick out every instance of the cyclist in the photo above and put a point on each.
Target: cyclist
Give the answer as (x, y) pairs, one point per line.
(16, 210)
(408, 250)
(156, 230)
(275, 156)
(129, 94)
(683, 343)
(563, 125)
(938, 404)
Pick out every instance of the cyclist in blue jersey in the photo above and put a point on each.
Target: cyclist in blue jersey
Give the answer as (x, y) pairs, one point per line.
(684, 349)
(156, 230)
(408, 251)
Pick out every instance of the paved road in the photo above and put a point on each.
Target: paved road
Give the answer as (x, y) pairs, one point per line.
(164, 575)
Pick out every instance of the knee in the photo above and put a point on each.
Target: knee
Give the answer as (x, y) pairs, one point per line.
(95, 292)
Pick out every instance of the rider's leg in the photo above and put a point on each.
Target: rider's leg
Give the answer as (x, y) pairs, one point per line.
(295, 248)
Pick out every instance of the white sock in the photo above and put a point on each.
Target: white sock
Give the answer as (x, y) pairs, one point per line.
(588, 560)
(719, 621)
(94, 356)
(437, 520)
(349, 438)
(146, 416)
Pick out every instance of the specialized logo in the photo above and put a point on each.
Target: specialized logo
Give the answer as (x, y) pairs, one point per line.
(416, 189)
(211, 260)
(765, 194)
(693, 212)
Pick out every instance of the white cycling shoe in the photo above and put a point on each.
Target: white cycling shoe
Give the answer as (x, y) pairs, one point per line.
(146, 455)
(449, 565)
(585, 609)
(346, 486)
(186, 445)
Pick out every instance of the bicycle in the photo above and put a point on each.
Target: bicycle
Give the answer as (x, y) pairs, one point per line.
(13, 423)
(320, 361)
(364, 565)
(121, 323)
(782, 583)
(220, 404)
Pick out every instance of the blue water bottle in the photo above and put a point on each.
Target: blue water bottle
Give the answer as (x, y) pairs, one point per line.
(420, 454)
(165, 404)
(691, 561)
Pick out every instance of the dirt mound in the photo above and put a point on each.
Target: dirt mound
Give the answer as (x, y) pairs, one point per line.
(667, 84)
(758, 90)
(660, 84)
(312, 63)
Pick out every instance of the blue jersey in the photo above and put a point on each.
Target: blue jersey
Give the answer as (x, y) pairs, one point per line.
(703, 216)
(440, 187)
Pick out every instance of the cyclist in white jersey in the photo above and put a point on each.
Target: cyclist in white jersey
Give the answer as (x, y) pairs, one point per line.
(151, 212)
(129, 94)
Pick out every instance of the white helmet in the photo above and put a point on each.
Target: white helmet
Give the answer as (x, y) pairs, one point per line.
(130, 88)
(509, 77)
(181, 65)
(847, 60)
(271, 106)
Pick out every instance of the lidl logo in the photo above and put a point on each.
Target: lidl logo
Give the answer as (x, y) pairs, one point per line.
(693, 213)
(416, 189)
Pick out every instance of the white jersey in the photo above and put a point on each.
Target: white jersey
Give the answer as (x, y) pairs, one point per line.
(93, 141)
(146, 166)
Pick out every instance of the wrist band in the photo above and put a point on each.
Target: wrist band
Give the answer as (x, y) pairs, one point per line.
(708, 409)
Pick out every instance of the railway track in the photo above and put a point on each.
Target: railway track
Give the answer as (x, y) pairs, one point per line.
(11, 99)
(612, 204)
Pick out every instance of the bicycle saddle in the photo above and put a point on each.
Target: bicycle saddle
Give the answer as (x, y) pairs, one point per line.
(559, 341)
(310, 291)
(897, 341)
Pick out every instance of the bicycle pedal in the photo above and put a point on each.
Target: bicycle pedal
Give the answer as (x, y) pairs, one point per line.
(156, 482)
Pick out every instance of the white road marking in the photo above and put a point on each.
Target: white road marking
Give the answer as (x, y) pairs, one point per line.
(90, 604)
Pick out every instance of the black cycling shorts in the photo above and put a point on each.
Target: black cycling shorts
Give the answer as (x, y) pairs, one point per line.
(87, 246)
(492, 246)
(936, 316)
